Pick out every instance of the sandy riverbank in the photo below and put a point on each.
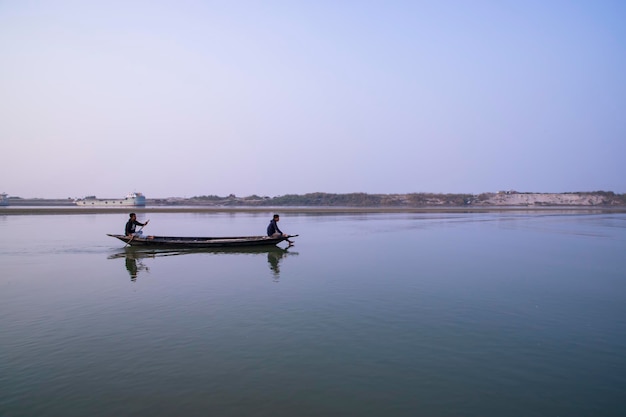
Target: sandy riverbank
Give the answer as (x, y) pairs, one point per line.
(24, 210)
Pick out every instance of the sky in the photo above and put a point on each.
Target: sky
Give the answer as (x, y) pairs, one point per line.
(189, 98)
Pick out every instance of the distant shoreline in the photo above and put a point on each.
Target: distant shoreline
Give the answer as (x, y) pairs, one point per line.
(40, 210)
(502, 200)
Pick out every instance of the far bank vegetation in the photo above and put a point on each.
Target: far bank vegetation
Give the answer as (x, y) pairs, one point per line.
(502, 198)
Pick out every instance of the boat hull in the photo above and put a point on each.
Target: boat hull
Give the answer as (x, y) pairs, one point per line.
(201, 242)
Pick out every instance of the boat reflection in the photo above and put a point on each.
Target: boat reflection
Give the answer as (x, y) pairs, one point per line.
(134, 256)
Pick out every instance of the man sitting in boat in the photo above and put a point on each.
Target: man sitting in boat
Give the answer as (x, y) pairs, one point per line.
(274, 231)
(131, 224)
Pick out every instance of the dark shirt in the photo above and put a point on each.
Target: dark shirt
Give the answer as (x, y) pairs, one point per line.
(130, 226)
(273, 228)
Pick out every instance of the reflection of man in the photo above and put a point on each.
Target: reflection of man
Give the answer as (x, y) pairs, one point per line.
(273, 258)
(131, 267)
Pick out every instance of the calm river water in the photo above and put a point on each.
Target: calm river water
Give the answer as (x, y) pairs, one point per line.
(413, 314)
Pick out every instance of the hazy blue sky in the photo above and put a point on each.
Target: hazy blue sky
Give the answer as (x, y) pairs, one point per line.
(186, 98)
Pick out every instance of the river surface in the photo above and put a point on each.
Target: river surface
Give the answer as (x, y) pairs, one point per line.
(387, 314)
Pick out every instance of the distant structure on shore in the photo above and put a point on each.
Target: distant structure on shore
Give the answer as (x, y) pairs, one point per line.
(4, 199)
(132, 200)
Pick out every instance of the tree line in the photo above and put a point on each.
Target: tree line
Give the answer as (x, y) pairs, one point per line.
(320, 199)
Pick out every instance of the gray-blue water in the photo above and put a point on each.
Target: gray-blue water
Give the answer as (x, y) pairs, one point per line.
(483, 314)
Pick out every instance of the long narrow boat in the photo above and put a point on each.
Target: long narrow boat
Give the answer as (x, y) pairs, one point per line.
(201, 242)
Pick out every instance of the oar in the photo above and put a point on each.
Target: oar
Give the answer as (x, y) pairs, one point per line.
(132, 237)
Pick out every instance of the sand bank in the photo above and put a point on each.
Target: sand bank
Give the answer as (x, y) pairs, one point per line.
(24, 210)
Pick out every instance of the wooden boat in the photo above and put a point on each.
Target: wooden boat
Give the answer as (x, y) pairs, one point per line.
(200, 242)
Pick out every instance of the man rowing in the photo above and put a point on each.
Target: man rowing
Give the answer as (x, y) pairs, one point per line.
(131, 224)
